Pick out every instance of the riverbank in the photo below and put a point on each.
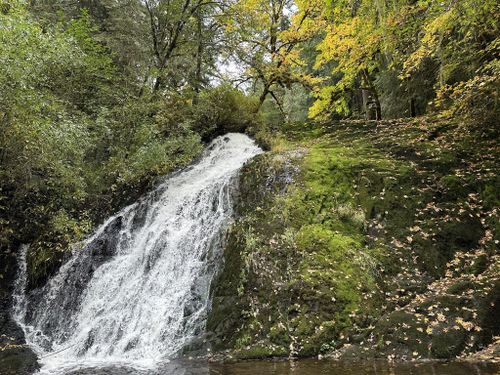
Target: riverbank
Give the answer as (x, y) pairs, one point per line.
(364, 240)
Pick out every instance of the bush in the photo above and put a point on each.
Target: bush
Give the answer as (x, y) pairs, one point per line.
(225, 109)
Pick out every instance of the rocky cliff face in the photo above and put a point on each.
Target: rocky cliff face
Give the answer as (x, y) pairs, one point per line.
(360, 240)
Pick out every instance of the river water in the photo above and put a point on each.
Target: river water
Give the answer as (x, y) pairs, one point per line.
(302, 367)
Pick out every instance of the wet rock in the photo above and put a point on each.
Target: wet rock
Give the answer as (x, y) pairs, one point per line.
(98, 251)
(17, 360)
(448, 344)
(15, 357)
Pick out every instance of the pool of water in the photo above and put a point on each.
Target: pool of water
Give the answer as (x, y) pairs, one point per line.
(303, 367)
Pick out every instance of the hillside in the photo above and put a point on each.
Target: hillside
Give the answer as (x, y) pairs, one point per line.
(359, 239)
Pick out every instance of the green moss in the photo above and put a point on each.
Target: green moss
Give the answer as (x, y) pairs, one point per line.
(489, 193)
(404, 330)
(302, 262)
(18, 360)
(455, 187)
(341, 228)
(448, 344)
(261, 352)
(460, 287)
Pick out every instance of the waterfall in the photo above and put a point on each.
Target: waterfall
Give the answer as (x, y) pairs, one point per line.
(137, 291)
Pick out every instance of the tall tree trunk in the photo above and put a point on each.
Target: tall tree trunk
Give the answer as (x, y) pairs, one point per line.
(413, 109)
(158, 83)
(365, 95)
(378, 108)
(373, 90)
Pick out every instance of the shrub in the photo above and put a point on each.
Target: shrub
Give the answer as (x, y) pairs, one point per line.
(224, 109)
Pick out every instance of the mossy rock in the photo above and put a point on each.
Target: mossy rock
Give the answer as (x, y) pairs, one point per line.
(449, 344)
(401, 331)
(490, 195)
(261, 352)
(480, 264)
(489, 313)
(454, 187)
(453, 303)
(391, 323)
(18, 361)
(352, 253)
(465, 233)
(460, 287)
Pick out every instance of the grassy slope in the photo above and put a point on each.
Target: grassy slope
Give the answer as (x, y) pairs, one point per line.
(364, 239)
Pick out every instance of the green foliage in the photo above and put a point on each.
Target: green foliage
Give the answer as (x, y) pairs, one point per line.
(92, 81)
(476, 98)
(83, 131)
(75, 143)
(48, 250)
(43, 143)
(225, 109)
(405, 54)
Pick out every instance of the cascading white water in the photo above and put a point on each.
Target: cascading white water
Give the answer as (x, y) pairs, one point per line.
(137, 291)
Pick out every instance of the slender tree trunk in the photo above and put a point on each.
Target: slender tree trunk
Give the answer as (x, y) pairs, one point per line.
(365, 94)
(199, 58)
(373, 90)
(378, 108)
(413, 109)
(263, 96)
(158, 83)
(3, 124)
(279, 104)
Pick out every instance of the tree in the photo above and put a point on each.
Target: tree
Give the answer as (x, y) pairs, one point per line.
(42, 147)
(353, 41)
(120, 25)
(267, 44)
(169, 23)
(415, 49)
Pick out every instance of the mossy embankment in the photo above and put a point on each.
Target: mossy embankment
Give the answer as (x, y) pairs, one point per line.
(364, 239)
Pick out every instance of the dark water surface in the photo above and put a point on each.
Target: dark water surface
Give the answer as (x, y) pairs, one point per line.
(304, 367)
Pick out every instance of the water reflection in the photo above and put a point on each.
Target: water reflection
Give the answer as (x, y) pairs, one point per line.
(305, 367)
